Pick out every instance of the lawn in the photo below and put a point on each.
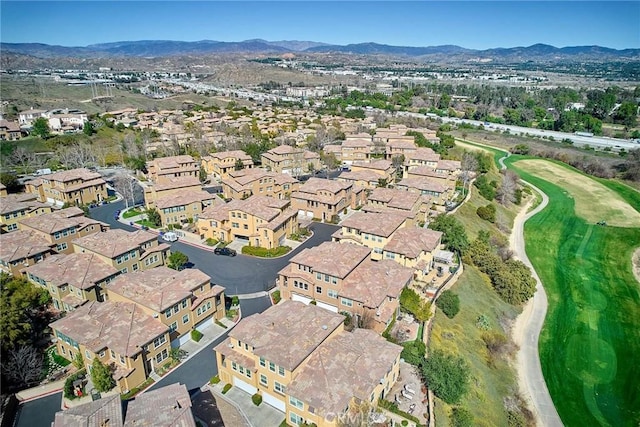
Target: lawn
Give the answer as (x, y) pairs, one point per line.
(131, 213)
(493, 379)
(591, 336)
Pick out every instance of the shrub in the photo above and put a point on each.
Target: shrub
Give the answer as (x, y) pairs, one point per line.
(211, 242)
(264, 252)
(214, 380)
(447, 376)
(486, 188)
(275, 297)
(392, 407)
(68, 384)
(314, 302)
(235, 300)
(449, 303)
(460, 417)
(516, 419)
(414, 304)
(196, 335)
(256, 399)
(226, 388)
(488, 213)
(413, 352)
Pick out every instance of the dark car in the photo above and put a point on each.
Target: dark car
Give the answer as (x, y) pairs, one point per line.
(224, 251)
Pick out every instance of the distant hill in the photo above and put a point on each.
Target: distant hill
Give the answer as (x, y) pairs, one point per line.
(163, 48)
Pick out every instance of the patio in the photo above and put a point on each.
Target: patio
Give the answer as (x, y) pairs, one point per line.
(409, 393)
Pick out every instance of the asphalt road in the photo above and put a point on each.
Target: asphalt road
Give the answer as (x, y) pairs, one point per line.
(240, 274)
(39, 412)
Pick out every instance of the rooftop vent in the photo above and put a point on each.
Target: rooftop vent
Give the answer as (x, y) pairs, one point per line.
(324, 327)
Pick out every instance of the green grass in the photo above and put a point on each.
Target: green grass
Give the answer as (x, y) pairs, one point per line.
(264, 252)
(491, 379)
(147, 223)
(591, 336)
(131, 213)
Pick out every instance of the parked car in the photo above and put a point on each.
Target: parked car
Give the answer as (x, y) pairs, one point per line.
(224, 251)
(170, 236)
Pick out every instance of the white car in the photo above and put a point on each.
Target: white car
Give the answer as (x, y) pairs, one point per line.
(170, 236)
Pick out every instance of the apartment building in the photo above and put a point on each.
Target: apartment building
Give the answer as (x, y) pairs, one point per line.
(372, 230)
(75, 186)
(183, 300)
(220, 164)
(73, 279)
(290, 160)
(412, 205)
(21, 249)
(126, 251)
(121, 335)
(170, 186)
(183, 207)
(163, 169)
(62, 227)
(260, 220)
(9, 131)
(368, 290)
(166, 406)
(244, 183)
(17, 207)
(414, 248)
(323, 198)
(301, 361)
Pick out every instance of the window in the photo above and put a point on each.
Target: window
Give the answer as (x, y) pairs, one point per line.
(134, 267)
(263, 380)
(168, 313)
(318, 290)
(102, 354)
(281, 371)
(121, 360)
(113, 354)
(87, 354)
(235, 225)
(162, 355)
(159, 341)
(248, 373)
(319, 276)
(346, 302)
(12, 227)
(173, 326)
(326, 278)
(185, 319)
(272, 366)
(295, 418)
(332, 294)
(295, 402)
(245, 226)
(184, 302)
(61, 247)
(280, 388)
(124, 270)
(263, 362)
(234, 366)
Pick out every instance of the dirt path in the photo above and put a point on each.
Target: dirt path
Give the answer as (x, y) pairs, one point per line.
(526, 330)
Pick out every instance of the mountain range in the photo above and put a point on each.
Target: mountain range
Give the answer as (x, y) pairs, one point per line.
(164, 48)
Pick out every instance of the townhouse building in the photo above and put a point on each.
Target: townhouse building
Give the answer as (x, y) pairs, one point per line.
(366, 179)
(358, 147)
(400, 146)
(220, 164)
(423, 156)
(169, 186)
(430, 173)
(246, 182)
(372, 230)
(370, 174)
(260, 220)
(9, 131)
(412, 205)
(126, 251)
(21, 249)
(182, 300)
(290, 160)
(349, 283)
(17, 207)
(163, 169)
(73, 279)
(27, 117)
(75, 187)
(119, 334)
(167, 406)
(62, 227)
(415, 248)
(3, 190)
(302, 362)
(183, 207)
(425, 186)
(323, 198)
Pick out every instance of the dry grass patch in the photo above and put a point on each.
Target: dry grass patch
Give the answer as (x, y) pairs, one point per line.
(593, 201)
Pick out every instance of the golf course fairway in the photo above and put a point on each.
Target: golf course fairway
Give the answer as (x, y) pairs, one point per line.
(590, 342)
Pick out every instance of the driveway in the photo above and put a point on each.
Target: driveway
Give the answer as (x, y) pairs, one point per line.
(39, 412)
(239, 275)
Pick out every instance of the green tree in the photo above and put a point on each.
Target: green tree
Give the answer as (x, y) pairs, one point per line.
(153, 216)
(461, 417)
(488, 213)
(454, 235)
(449, 303)
(413, 352)
(239, 165)
(411, 302)
(19, 301)
(101, 376)
(446, 375)
(177, 260)
(202, 174)
(78, 361)
(10, 181)
(444, 101)
(40, 127)
(88, 129)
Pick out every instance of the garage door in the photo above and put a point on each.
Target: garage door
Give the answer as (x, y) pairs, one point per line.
(179, 342)
(244, 386)
(296, 297)
(204, 324)
(328, 306)
(273, 401)
(308, 214)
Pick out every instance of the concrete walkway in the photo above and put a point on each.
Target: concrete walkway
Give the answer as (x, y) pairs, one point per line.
(40, 391)
(255, 416)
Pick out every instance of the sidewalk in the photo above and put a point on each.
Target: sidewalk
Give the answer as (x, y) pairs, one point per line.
(40, 391)
(264, 415)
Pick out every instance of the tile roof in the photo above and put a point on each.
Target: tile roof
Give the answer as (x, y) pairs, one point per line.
(72, 175)
(373, 281)
(450, 165)
(349, 365)
(394, 198)
(22, 244)
(112, 243)
(427, 171)
(233, 154)
(183, 198)
(79, 270)
(169, 406)
(411, 242)
(332, 258)
(49, 223)
(105, 412)
(322, 190)
(361, 175)
(18, 202)
(177, 182)
(380, 224)
(120, 326)
(425, 154)
(380, 165)
(422, 183)
(158, 288)
(288, 332)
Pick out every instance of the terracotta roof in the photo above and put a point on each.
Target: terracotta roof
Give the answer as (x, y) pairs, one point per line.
(22, 244)
(178, 182)
(105, 412)
(379, 224)
(18, 202)
(425, 154)
(79, 270)
(184, 198)
(332, 258)
(373, 281)
(379, 165)
(169, 406)
(422, 183)
(394, 198)
(49, 223)
(411, 242)
(72, 175)
(112, 243)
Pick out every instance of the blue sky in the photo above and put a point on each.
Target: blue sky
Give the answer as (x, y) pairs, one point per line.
(474, 24)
